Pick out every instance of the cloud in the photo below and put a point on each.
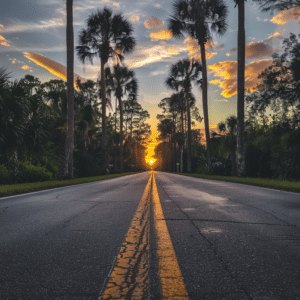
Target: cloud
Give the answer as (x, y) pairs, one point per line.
(208, 55)
(52, 66)
(256, 50)
(231, 52)
(4, 42)
(1, 26)
(25, 67)
(153, 22)
(193, 48)
(261, 20)
(292, 14)
(116, 4)
(274, 36)
(148, 55)
(163, 34)
(25, 27)
(227, 73)
(155, 73)
(220, 47)
(157, 5)
(105, 0)
(134, 18)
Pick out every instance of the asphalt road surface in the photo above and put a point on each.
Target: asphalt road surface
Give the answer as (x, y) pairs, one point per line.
(151, 236)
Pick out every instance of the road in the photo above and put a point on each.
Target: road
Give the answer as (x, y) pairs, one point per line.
(153, 236)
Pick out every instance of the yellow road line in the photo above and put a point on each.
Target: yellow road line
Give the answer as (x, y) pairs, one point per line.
(129, 278)
(169, 273)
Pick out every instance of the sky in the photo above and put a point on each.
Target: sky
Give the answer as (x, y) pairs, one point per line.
(33, 41)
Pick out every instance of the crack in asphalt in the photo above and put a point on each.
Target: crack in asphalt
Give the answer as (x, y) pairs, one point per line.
(64, 225)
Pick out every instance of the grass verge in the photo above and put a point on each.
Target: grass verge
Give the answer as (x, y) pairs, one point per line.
(292, 186)
(16, 189)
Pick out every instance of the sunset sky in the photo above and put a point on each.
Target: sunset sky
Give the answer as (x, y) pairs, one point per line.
(32, 41)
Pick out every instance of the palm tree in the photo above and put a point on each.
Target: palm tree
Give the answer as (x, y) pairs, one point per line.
(241, 88)
(197, 18)
(181, 76)
(70, 88)
(122, 81)
(106, 36)
(276, 5)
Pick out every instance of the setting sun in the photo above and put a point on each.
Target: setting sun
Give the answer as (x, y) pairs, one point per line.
(151, 161)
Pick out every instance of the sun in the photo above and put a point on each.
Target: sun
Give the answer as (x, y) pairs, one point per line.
(151, 161)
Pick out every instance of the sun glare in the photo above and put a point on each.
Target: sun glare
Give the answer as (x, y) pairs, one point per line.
(151, 161)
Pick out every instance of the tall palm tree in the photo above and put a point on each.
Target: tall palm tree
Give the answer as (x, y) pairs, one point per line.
(106, 36)
(181, 76)
(122, 81)
(198, 18)
(240, 153)
(70, 87)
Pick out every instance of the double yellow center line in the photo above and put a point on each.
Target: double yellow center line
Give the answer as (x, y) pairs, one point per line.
(129, 278)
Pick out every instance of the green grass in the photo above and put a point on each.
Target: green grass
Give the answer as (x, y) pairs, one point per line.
(293, 186)
(16, 189)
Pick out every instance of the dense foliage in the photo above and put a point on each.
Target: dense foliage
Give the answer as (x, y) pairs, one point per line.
(33, 131)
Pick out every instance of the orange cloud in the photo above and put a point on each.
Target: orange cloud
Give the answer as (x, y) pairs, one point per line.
(193, 48)
(134, 18)
(255, 50)
(1, 26)
(25, 67)
(208, 55)
(274, 36)
(116, 4)
(292, 14)
(5, 44)
(163, 34)
(227, 72)
(153, 22)
(4, 41)
(52, 66)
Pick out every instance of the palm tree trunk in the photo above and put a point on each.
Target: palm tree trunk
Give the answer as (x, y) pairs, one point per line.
(241, 89)
(116, 115)
(205, 105)
(189, 156)
(181, 150)
(103, 96)
(70, 87)
(121, 135)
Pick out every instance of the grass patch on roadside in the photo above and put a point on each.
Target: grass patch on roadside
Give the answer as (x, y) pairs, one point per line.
(16, 189)
(293, 186)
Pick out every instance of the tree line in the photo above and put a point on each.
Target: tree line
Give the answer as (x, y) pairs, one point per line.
(33, 137)
(271, 127)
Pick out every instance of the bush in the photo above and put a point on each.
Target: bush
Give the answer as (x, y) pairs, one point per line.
(5, 175)
(29, 173)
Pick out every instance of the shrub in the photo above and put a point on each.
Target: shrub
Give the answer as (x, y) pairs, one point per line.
(29, 173)
(5, 175)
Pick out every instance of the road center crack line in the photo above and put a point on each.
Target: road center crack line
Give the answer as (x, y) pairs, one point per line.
(129, 278)
(169, 273)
